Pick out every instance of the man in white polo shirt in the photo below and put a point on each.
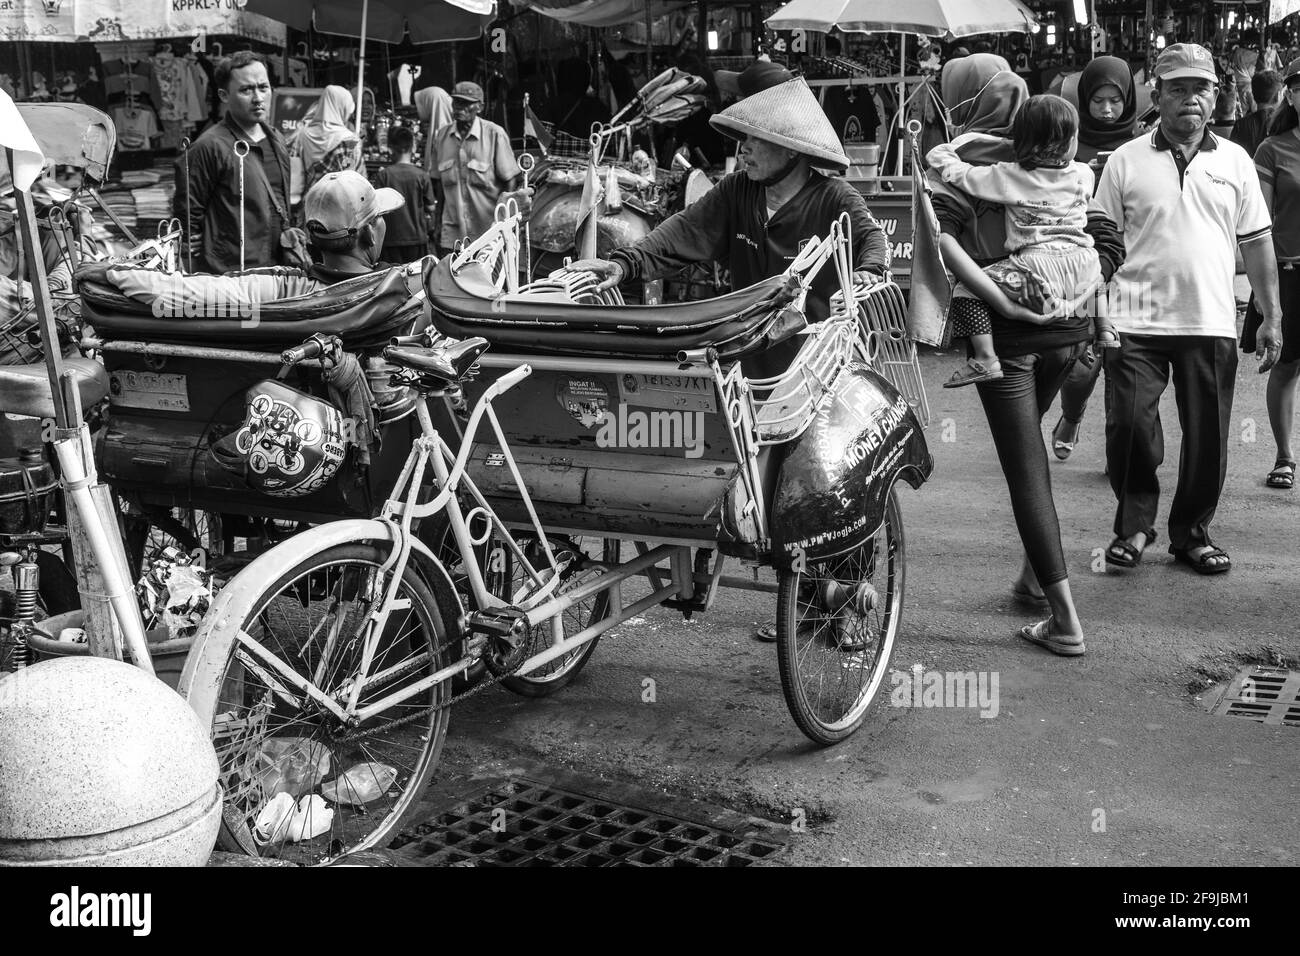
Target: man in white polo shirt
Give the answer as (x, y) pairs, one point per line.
(1184, 199)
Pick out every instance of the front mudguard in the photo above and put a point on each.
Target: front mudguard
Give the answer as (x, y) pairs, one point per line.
(836, 478)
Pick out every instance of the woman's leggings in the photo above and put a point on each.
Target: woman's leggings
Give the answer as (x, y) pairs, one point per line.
(1015, 405)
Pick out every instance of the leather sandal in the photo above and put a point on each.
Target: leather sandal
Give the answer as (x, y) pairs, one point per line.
(974, 371)
(1203, 563)
(1122, 554)
(1282, 475)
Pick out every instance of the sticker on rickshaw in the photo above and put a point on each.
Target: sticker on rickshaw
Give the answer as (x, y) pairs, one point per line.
(157, 390)
(586, 399)
(682, 392)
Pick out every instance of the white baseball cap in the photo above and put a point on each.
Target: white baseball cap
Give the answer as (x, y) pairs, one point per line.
(341, 204)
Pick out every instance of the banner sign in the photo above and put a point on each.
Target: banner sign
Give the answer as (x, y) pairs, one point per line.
(107, 21)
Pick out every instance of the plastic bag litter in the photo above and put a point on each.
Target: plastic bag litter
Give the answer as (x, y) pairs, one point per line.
(175, 592)
(361, 784)
(287, 820)
(292, 765)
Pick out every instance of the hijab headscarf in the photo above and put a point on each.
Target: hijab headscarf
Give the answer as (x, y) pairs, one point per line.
(1106, 134)
(433, 104)
(325, 126)
(982, 94)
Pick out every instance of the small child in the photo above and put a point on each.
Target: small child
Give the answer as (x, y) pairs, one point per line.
(1046, 195)
(407, 235)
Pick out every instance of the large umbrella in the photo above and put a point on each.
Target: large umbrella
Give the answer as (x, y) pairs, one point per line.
(427, 21)
(943, 18)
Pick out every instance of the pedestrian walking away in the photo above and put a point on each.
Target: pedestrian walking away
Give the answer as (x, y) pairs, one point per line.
(1184, 199)
(1035, 357)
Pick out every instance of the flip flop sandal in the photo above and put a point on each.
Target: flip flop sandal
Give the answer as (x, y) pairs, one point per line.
(1060, 447)
(1201, 563)
(1028, 598)
(766, 632)
(1282, 475)
(1041, 635)
(1129, 556)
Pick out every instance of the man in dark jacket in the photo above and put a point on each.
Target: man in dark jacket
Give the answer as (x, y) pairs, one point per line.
(208, 200)
(755, 219)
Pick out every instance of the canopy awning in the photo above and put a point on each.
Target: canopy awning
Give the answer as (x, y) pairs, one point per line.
(108, 21)
(603, 13)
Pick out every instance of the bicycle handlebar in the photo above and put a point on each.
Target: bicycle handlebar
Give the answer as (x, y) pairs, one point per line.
(310, 349)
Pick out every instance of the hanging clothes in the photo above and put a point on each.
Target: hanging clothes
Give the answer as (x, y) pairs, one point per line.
(136, 128)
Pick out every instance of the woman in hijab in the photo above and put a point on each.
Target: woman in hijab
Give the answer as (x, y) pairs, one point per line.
(1037, 352)
(1107, 120)
(433, 106)
(325, 143)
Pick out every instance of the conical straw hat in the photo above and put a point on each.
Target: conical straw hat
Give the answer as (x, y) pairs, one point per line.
(788, 115)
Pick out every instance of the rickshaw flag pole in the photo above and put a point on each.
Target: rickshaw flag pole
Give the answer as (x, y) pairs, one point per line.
(101, 562)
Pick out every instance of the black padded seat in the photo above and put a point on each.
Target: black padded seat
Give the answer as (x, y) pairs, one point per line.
(749, 320)
(25, 389)
(365, 312)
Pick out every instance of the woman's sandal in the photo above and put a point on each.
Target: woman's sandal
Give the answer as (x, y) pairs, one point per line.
(1204, 562)
(1282, 475)
(1122, 554)
(1041, 634)
(1064, 429)
(1027, 598)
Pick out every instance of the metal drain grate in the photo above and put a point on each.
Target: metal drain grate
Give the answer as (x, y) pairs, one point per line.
(522, 822)
(1264, 694)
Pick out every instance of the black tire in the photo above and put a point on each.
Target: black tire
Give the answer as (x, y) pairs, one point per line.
(554, 675)
(842, 615)
(242, 716)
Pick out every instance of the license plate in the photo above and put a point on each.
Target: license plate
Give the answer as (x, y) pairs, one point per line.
(683, 392)
(161, 391)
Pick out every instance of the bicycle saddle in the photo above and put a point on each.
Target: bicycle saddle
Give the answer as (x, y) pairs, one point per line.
(25, 389)
(446, 364)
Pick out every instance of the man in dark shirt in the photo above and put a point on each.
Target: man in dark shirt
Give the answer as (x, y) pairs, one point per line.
(208, 199)
(408, 231)
(1252, 129)
(755, 219)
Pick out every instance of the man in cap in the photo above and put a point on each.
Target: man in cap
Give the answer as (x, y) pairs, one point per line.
(1184, 200)
(344, 216)
(755, 219)
(474, 168)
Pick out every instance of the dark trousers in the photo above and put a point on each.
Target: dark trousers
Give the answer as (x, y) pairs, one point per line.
(1079, 386)
(1203, 369)
(1014, 406)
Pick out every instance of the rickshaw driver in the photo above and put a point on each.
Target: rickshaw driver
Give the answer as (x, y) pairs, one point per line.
(755, 219)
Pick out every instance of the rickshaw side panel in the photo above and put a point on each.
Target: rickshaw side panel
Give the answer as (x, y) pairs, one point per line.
(835, 480)
(602, 452)
(164, 415)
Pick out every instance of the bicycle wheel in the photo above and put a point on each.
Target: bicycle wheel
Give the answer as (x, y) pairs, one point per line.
(835, 630)
(557, 673)
(270, 737)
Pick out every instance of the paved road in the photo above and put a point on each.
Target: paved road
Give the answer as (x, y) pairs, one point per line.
(1114, 738)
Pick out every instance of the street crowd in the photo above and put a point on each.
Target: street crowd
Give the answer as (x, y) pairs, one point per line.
(1080, 243)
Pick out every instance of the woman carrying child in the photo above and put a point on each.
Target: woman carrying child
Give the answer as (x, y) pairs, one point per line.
(1053, 265)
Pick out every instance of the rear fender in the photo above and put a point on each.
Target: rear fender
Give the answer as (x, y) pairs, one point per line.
(836, 478)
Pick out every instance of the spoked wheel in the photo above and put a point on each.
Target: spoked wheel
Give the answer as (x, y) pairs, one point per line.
(835, 629)
(145, 533)
(272, 737)
(557, 673)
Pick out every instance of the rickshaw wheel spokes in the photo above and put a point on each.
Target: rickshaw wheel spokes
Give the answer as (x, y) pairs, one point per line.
(836, 626)
(267, 741)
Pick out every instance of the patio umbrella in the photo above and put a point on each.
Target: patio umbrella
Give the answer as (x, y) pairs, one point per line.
(427, 21)
(942, 18)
